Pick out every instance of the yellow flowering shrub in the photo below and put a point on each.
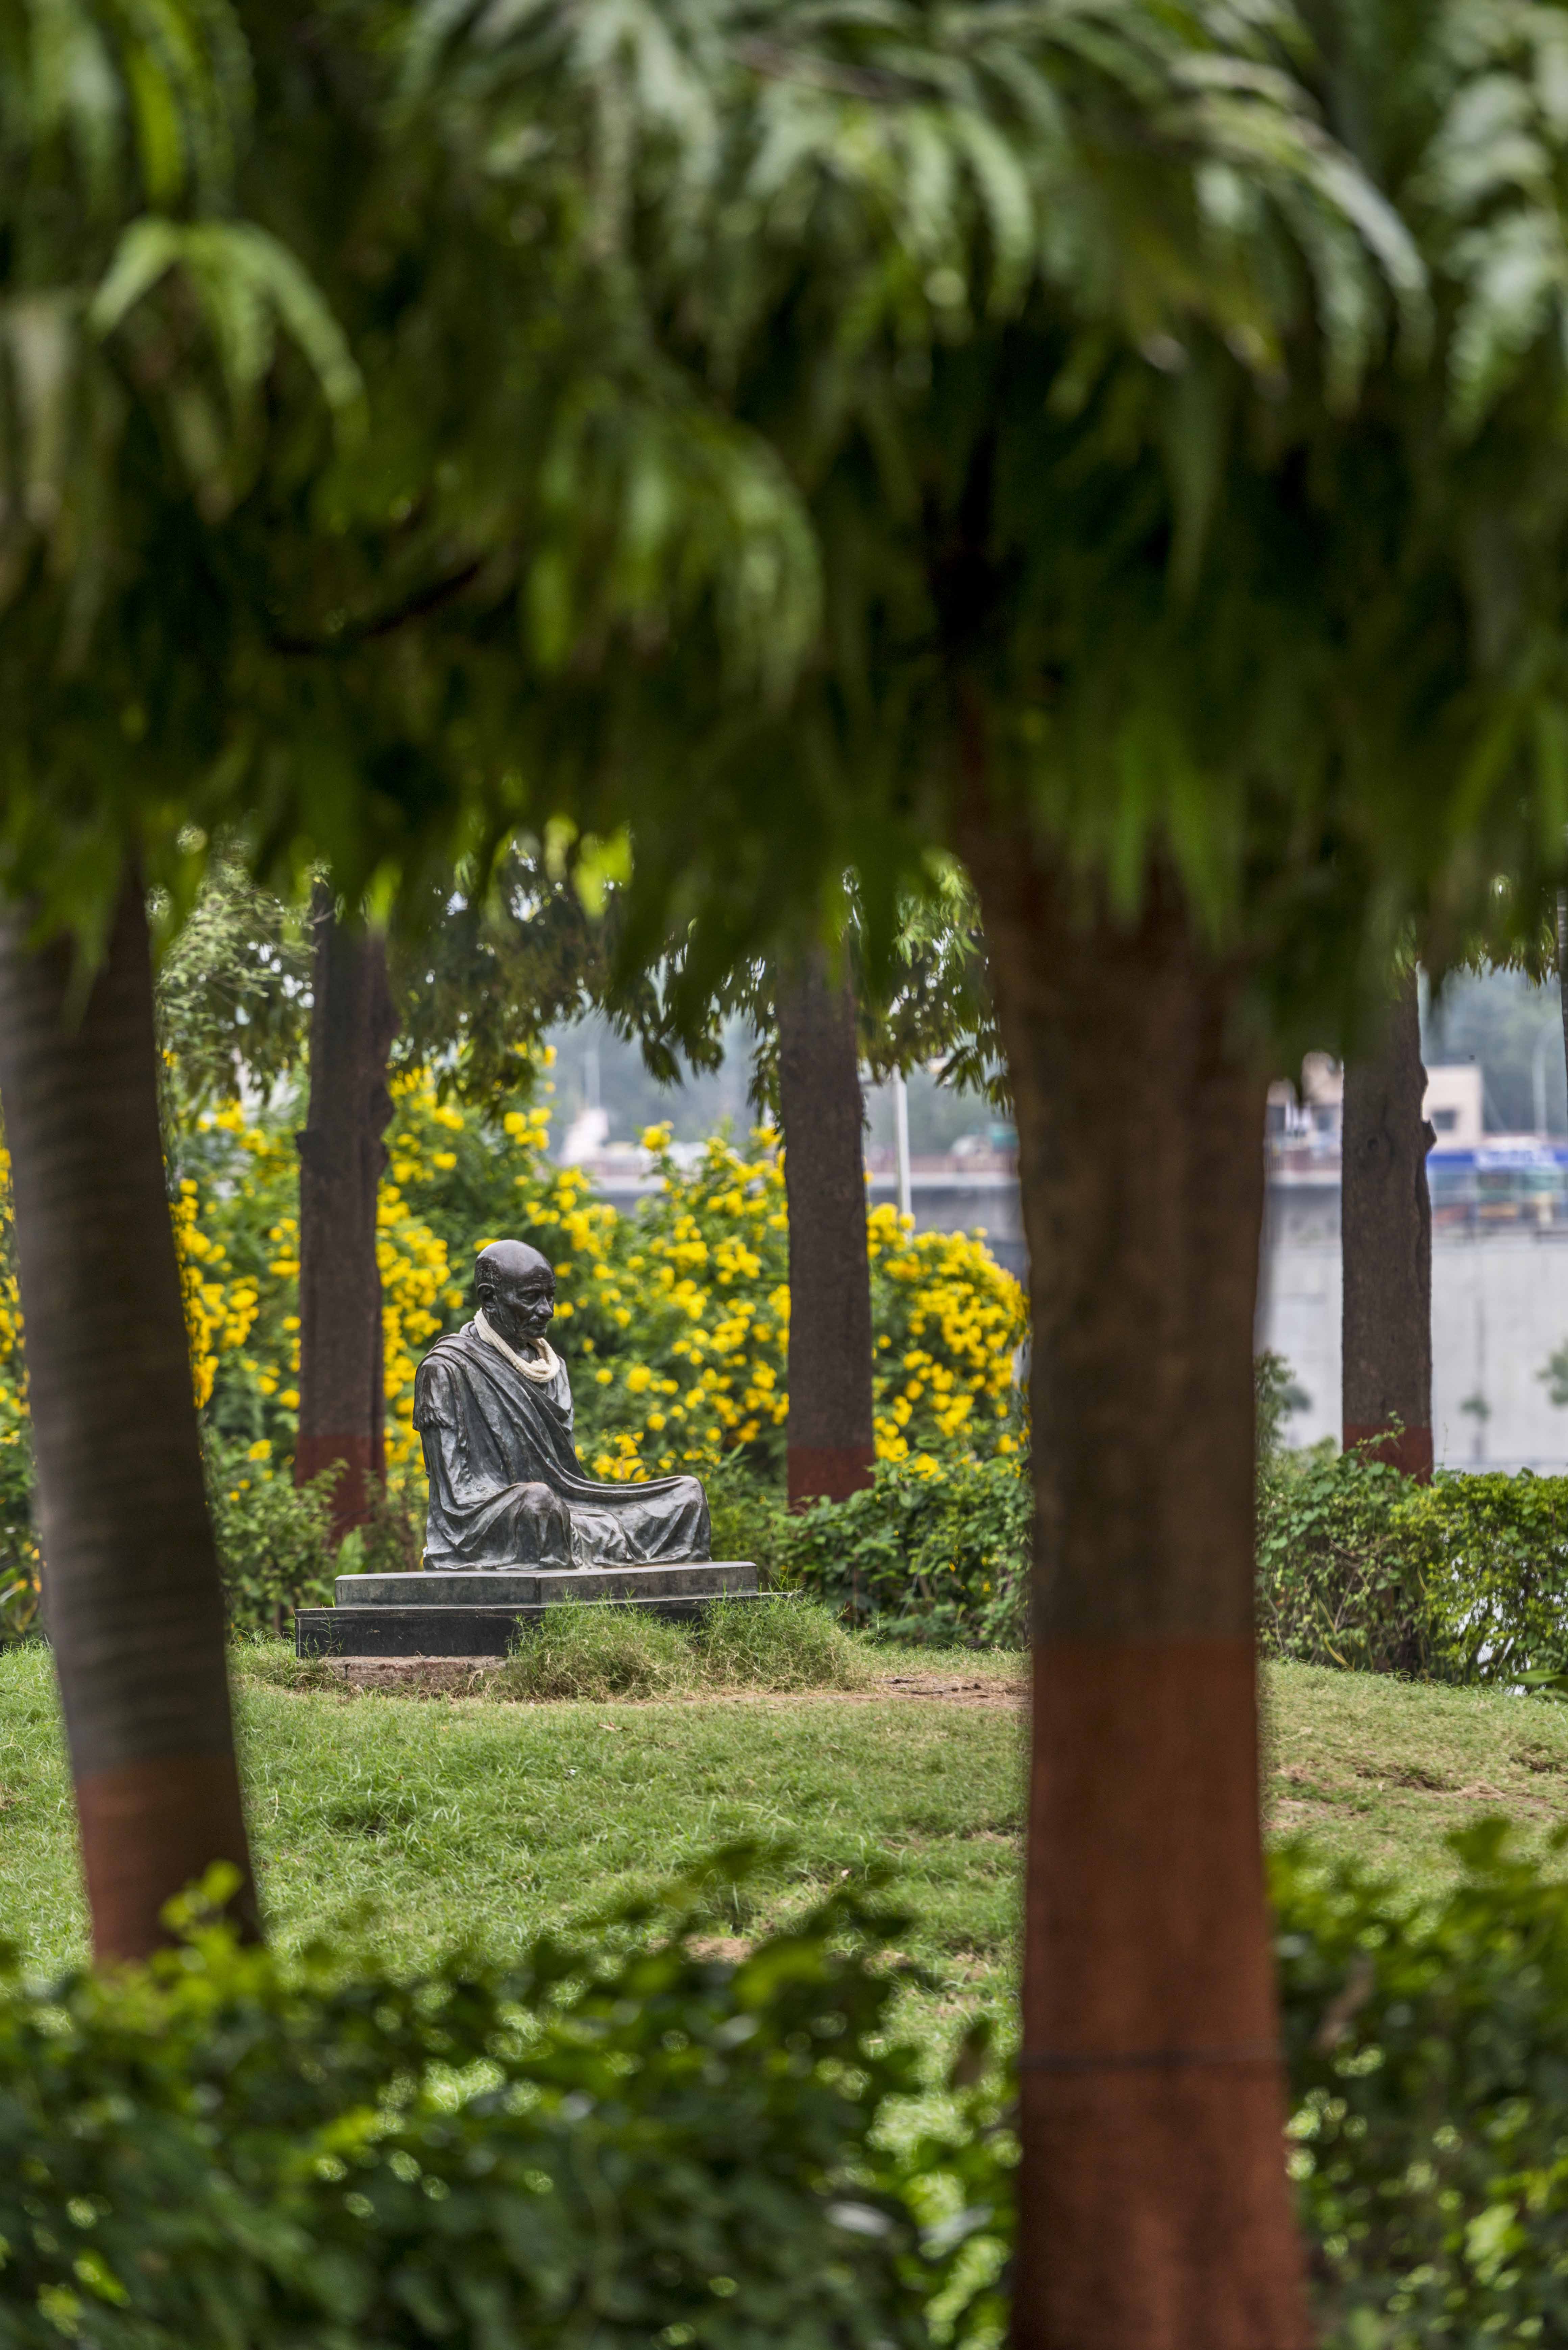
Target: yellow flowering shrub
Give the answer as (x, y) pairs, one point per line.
(674, 1319)
(704, 1370)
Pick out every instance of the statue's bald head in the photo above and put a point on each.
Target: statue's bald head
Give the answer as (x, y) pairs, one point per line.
(515, 1288)
(506, 1265)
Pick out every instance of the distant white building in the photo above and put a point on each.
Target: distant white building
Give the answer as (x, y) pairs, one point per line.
(1454, 1105)
(1311, 1115)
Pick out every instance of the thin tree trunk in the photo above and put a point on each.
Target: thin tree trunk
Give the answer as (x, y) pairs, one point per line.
(1155, 2211)
(831, 1441)
(1386, 1224)
(132, 1598)
(1563, 970)
(342, 1407)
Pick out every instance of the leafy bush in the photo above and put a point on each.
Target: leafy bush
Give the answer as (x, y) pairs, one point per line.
(1462, 1580)
(634, 2141)
(933, 1551)
(274, 1550)
(273, 1540)
(597, 1652)
(1428, 2045)
(18, 1541)
(639, 2140)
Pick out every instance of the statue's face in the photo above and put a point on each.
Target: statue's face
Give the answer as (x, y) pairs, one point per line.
(520, 1305)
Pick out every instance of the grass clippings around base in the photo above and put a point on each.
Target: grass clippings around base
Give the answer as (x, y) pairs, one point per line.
(602, 1651)
(587, 1650)
(779, 1644)
(589, 1653)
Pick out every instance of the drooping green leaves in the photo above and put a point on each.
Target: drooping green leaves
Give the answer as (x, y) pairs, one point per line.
(777, 420)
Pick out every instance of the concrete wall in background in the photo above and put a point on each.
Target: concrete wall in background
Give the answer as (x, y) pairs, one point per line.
(1499, 1307)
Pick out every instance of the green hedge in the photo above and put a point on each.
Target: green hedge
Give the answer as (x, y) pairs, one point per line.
(938, 1555)
(1462, 1580)
(635, 2141)
(641, 2141)
(1428, 2045)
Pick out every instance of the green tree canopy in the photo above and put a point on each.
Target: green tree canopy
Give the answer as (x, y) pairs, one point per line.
(1132, 368)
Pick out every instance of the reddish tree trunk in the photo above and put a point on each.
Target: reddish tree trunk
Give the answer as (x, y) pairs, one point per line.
(342, 1411)
(131, 1592)
(1154, 2210)
(831, 1441)
(1386, 1224)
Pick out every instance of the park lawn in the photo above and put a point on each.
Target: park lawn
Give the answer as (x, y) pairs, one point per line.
(1383, 1772)
(445, 1821)
(429, 1822)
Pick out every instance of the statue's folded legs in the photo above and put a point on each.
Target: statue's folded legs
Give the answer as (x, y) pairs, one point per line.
(538, 1527)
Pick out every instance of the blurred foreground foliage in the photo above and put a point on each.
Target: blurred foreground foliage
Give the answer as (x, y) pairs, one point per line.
(633, 2139)
(677, 2130)
(1428, 2048)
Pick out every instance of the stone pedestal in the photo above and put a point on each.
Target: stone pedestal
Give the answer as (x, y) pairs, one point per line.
(448, 1613)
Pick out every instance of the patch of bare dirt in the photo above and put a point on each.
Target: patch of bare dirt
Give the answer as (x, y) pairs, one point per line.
(1288, 1811)
(467, 1676)
(1405, 1775)
(955, 1691)
(412, 1675)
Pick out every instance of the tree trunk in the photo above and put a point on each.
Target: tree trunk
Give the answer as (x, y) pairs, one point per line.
(1155, 2211)
(342, 1403)
(1386, 1224)
(131, 1593)
(831, 1442)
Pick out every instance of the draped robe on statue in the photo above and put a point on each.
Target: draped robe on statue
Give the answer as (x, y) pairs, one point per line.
(506, 1487)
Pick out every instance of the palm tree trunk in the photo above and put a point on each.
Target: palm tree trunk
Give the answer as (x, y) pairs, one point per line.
(342, 1408)
(1386, 1224)
(131, 1592)
(1155, 2211)
(831, 1442)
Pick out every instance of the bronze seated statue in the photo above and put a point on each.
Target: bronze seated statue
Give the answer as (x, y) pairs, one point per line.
(493, 1407)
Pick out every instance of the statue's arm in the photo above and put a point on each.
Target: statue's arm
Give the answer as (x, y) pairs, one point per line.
(445, 1408)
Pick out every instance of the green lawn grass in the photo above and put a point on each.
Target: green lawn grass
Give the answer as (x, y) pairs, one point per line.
(443, 1820)
(452, 1820)
(1381, 1772)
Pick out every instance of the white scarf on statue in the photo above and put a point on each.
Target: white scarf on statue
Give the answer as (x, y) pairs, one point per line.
(542, 1370)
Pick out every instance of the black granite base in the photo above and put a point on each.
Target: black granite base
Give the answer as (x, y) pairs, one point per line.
(377, 1616)
(409, 1631)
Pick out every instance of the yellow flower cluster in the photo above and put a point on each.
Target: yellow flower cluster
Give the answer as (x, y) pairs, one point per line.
(10, 1298)
(674, 1319)
(708, 1261)
(219, 1312)
(952, 1323)
(249, 1211)
(416, 1296)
